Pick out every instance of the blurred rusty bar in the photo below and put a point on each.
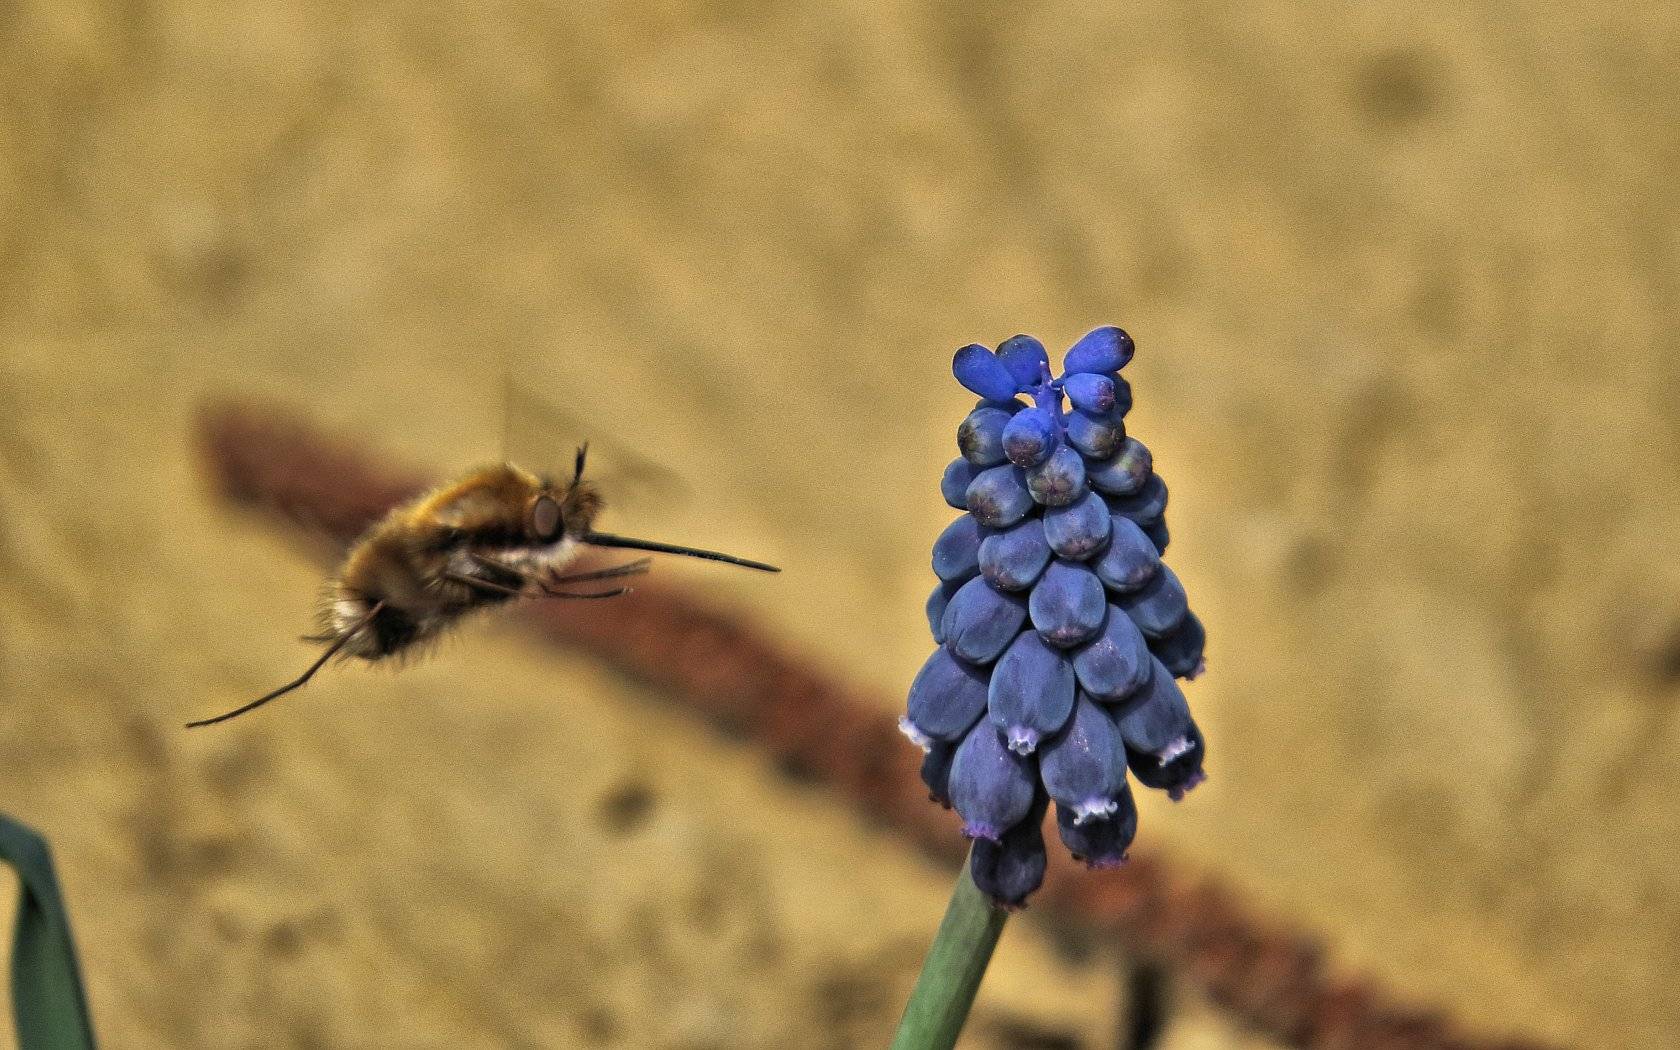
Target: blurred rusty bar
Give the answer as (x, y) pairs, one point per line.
(1270, 978)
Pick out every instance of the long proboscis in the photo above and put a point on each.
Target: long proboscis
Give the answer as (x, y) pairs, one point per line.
(603, 539)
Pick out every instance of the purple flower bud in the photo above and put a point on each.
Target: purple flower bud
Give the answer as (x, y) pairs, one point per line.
(1067, 604)
(936, 603)
(946, 698)
(1100, 843)
(1012, 869)
(998, 496)
(991, 787)
(1130, 560)
(981, 621)
(1089, 392)
(1125, 472)
(1105, 349)
(1145, 505)
(1084, 766)
(956, 553)
(980, 436)
(1059, 480)
(1116, 663)
(936, 772)
(1011, 559)
(1160, 723)
(1158, 535)
(1026, 360)
(1122, 395)
(1099, 437)
(1031, 693)
(1178, 775)
(954, 485)
(1158, 606)
(1077, 530)
(1029, 437)
(979, 369)
(1181, 651)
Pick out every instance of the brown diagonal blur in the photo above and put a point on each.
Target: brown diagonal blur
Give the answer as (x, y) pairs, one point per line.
(1404, 287)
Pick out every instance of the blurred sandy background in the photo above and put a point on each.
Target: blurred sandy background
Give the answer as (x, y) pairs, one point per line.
(1404, 286)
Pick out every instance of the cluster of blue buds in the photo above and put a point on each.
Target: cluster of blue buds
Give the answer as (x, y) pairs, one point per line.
(1060, 630)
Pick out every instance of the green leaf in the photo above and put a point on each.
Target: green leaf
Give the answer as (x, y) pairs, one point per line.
(47, 999)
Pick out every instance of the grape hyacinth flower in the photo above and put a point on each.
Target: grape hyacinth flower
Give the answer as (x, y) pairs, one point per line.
(1060, 629)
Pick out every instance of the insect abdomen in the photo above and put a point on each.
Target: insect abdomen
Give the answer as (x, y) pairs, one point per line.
(391, 631)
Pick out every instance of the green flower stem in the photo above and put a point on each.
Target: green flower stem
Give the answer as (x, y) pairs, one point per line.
(951, 973)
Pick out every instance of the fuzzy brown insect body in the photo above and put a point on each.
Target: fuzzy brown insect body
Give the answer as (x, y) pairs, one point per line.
(469, 544)
(495, 535)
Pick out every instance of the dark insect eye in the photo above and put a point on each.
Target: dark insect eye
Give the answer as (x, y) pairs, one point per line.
(545, 519)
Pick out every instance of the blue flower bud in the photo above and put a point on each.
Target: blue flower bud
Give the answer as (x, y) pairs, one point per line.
(1158, 535)
(1059, 480)
(998, 496)
(1122, 396)
(991, 786)
(1012, 559)
(954, 485)
(1116, 663)
(1181, 651)
(1089, 392)
(936, 603)
(1026, 360)
(956, 553)
(936, 772)
(1084, 766)
(1158, 606)
(1067, 604)
(1178, 775)
(980, 436)
(1130, 560)
(981, 621)
(1097, 436)
(979, 369)
(1029, 437)
(1160, 723)
(1031, 694)
(1125, 472)
(1105, 349)
(1145, 505)
(1065, 531)
(1012, 869)
(1077, 530)
(1100, 843)
(946, 698)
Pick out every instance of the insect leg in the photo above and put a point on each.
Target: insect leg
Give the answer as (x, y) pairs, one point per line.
(548, 592)
(634, 568)
(301, 679)
(546, 582)
(486, 562)
(479, 583)
(543, 589)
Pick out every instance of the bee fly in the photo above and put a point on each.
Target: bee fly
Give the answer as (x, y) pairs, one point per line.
(498, 534)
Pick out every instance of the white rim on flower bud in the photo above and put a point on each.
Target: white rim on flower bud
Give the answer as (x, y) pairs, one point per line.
(917, 737)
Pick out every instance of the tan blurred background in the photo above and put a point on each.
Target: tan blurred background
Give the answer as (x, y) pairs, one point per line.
(1404, 285)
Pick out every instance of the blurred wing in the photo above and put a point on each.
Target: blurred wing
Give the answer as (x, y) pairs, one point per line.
(543, 436)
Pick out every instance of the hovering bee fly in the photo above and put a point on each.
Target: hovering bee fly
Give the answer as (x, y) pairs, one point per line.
(498, 534)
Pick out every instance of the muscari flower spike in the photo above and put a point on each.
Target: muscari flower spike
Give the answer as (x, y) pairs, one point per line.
(1060, 630)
